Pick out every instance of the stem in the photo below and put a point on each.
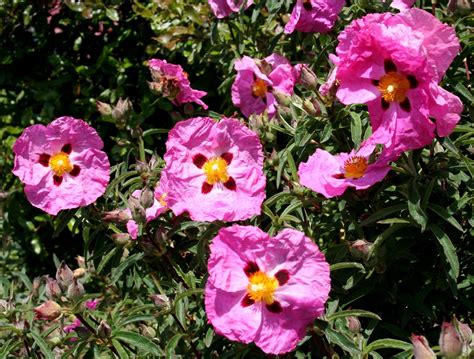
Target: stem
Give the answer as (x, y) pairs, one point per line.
(141, 149)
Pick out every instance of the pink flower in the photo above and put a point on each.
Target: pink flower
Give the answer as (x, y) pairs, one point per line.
(314, 15)
(73, 326)
(214, 170)
(402, 4)
(393, 63)
(331, 175)
(256, 79)
(61, 165)
(92, 304)
(223, 8)
(421, 347)
(159, 206)
(265, 289)
(172, 82)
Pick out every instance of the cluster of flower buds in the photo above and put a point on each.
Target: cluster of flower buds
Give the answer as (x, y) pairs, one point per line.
(120, 112)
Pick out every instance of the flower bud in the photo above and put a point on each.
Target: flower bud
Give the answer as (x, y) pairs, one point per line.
(353, 324)
(79, 272)
(147, 331)
(421, 347)
(312, 108)
(81, 262)
(64, 276)
(104, 330)
(147, 198)
(121, 239)
(462, 7)
(75, 290)
(282, 98)
(48, 311)
(160, 300)
(116, 216)
(104, 108)
(360, 249)
(308, 78)
(450, 341)
(52, 288)
(122, 110)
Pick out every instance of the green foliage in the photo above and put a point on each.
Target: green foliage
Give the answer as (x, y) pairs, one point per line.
(418, 222)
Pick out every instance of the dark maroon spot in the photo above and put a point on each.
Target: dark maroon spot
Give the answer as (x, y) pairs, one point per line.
(227, 157)
(66, 148)
(269, 88)
(338, 176)
(385, 104)
(375, 82)
(75, 170)
(206, 188)
(389, 66)
(251, 268)
(199, 160)
(44, 159)
(264, 99)
(247, 301)
(57, 180)
(230, 184)
(307, 5)
(405, 105)
(275, 307)
(413, 81)
(282, 276)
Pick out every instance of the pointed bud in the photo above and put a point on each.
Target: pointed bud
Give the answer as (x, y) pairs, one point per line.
(308, 78)
(52, 288)
(104, 108)
(282, 98)
(81, 262)
(64, 276)
(421, 347)
(160, 300)
(116, 216)
(353, 324)
(48, 311)
(147, 331)
(122, 110)
(147, 198)
(121, 239)
(104, 330)
(311, 107)
(79, 272)
(450, 341)
(75, 290)
(360, 249)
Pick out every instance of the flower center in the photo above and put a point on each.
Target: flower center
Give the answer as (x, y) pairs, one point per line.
(355, 167)
(162, 200)
(259, 88)
(393, 87)
(60, 164)
(216, 170)
(261, 287)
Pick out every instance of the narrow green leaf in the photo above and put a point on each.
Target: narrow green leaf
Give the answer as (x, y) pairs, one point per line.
(414, 206)
(449, 250)
(120, 350)
(44, 347)
(444, 214)
(106, 259)
(141, 342)
(341, 340)
(292, 166)
(170, 347)
(187, 293)
(117, 273)
(383, 213)
(346, 265)
(353, 313)
(387, 344)
(356, 129)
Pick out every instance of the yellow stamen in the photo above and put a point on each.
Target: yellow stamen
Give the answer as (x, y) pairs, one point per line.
(259, 88)
(216, 170)
(261, 287)
(59, 163)
(394, 87)
(162, 200)
(355, 167)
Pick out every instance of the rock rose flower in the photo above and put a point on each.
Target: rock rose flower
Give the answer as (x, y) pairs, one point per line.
(393, 63)
(252, 90)
(61, 165)
(223, 8)
(214, 170)
(172, 82)
(331, 175)
(314, 15)
(264, 289)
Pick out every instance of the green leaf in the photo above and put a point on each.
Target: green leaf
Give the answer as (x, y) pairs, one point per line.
(187, 293)
(383, 213)
(120, 350)
(346, 265)
(356, 129)
(444, 214)
(414, 206)
(448, 249)
(106, 259)
(353, 313)
(112, 14)
(117, 272)
(170, 347)
(141, 342)
(387, 344)
(341, 340)
(48, 354)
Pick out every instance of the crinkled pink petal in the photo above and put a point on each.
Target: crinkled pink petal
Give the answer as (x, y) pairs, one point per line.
(132, 229)
(402, 4)
(445, 108)
(223, 8)
(320, 18)
(203, 136)
(357, 91)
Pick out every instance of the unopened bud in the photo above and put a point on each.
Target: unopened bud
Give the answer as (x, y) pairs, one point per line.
(104, 330)
(147, 331)
(104, 108)
(308, 78)
(450, 341)
(138, 212)
(116, 216)
(64, 276)
(282, 98)
(160, 300)
(121, 239)
(48, 310)
(147, 198)
(360, 249)
(421, 347)
(311, 107)
(122, 110)
(75, 290)
(81, 262)
(463, 7)
(79, 272)
(52, 288)
(353, 324)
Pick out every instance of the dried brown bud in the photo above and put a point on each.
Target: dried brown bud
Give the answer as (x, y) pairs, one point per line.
(104, 330)
(64, 276)
(52, 288)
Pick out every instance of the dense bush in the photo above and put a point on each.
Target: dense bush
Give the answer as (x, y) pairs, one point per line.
(400, 252)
